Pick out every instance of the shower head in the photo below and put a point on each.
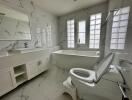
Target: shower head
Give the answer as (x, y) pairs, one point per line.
(112, 10)
(108, 16)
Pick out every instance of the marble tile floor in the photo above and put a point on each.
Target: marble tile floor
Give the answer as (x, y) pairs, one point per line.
(47, 86)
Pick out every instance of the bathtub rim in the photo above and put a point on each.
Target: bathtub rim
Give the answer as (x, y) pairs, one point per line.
(57, 52)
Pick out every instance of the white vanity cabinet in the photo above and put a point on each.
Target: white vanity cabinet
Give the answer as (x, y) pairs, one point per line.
(18, 68)
(6, 81)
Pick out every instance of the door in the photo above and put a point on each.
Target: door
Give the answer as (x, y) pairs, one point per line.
(6, 83)
(43, 64)
(32, 69)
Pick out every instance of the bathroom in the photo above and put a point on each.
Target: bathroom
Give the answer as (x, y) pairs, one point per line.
(54, 40)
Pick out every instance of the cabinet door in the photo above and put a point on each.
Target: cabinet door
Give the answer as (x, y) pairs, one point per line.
(37, 66)
(6, 83)
(43, 64)
(32, 69)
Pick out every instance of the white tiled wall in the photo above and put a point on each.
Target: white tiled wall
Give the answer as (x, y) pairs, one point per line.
(39, 20)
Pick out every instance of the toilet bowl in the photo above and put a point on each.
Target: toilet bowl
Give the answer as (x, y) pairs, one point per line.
(83, 74)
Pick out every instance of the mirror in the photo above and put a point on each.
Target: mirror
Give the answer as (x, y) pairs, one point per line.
(14, 25)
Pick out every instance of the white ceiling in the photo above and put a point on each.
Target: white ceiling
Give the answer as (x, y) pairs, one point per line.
(61, 7)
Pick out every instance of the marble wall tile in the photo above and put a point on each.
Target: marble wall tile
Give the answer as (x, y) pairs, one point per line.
(38, 19)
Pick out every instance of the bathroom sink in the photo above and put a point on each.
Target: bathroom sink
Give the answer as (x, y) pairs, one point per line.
(25, 50)
(82, 74)
(3, 53)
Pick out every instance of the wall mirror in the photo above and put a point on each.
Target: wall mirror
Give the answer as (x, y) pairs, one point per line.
(14, 25)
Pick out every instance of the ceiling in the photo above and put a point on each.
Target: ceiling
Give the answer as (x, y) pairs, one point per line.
(61, 7)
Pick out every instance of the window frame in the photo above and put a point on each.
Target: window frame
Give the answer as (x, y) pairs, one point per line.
(49, 35)
(95, 30)
(72, 34)
(78, 41)
(118, 27)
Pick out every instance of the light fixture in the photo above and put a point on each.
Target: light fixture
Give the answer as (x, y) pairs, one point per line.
(2, 14)
(74, 0)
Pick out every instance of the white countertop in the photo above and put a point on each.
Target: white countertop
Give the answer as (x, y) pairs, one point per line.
(4, 53)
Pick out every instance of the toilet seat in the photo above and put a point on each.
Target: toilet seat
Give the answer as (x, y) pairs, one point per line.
(83, 74)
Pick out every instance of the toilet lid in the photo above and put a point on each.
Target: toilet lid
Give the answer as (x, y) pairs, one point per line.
(103, 66)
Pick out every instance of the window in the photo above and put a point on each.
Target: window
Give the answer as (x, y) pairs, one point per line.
(119, 28)
(70, 34)
(95, 26)
(38, 36)
(81, 32)
(44, 36)
(48, 35)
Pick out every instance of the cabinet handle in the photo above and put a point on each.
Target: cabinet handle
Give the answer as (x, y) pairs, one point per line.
(39, 63)
(11, 78)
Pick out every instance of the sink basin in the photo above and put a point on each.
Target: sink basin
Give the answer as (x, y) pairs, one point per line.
(3, 53)
(25, 50)
(83, 75)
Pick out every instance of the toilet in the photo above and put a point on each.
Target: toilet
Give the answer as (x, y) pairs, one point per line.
(94, 85)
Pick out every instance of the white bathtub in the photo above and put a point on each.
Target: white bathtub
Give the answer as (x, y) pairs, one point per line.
(73, 58)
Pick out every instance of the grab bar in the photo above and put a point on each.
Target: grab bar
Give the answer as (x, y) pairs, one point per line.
(123, 92)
